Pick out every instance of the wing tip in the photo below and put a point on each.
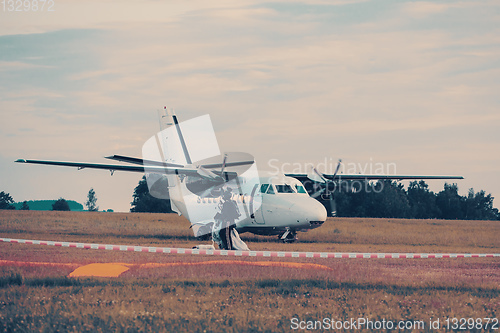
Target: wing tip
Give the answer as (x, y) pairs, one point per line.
(20, 160)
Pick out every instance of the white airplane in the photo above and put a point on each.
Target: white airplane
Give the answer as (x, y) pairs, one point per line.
(268, 204)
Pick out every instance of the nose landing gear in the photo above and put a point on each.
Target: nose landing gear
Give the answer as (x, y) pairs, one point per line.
(289, 236)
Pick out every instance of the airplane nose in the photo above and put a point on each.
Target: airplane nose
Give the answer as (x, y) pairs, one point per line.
(317, 212)
(309, 212)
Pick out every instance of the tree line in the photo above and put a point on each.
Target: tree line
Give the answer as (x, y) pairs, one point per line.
(61, 204)
(382, 199)
(390, 199)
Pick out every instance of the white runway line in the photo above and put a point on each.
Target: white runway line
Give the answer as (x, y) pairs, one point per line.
(280, 254)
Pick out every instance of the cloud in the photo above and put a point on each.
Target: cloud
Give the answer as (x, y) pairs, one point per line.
(422, 9)
(426, 8)
(18, 65)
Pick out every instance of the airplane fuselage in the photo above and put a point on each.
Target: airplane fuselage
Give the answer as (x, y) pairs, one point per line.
(285, 207)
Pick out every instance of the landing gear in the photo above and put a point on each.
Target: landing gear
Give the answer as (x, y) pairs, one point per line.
(289, 236)
(204, 233)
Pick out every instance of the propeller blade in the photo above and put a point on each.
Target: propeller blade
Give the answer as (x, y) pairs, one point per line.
(316, 176)
(333, 206)
(331, 200)
(318, 193)
(207, 173)
(337, 169)
(223, 166)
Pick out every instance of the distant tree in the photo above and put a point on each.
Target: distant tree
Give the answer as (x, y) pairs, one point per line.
(479, 206)
(25, 206)
(6, 201)
(422, 201)
(353, 200)
(91, 201)
(389, 199)
(450, 203)
(143, 202)
(368, 199)
(61, 204)
(343, 201)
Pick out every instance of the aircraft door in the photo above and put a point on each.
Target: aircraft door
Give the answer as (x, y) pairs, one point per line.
(257, 216)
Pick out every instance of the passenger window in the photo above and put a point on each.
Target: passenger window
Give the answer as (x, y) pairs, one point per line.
(263, 188)
(300, 189)
(284, 188)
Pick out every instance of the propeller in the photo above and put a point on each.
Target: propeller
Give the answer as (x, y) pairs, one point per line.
(216, 180)
(319, 177)
(203, 171)
(207, 174)
(223, 166)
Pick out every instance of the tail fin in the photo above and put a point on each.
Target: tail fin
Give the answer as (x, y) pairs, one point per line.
(189, 141)
(168, 118)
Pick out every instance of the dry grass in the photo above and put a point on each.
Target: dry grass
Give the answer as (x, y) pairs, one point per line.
(337, 234)
(262, 305)
(228, 295)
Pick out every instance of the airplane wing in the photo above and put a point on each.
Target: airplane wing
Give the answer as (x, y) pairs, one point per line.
(135, 160)
(114, 167)
(159, 167)
(372, 177)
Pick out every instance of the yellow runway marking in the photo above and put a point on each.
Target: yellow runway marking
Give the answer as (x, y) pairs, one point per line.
(99, 270)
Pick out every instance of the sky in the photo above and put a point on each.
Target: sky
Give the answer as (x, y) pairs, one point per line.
(386, 82)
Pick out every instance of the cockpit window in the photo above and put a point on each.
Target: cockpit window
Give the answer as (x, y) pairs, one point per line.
(285, 188)
(300, 189)
(263, 188)
(270, 190)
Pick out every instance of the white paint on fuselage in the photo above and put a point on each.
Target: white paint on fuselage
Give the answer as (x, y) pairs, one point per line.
(279, 211)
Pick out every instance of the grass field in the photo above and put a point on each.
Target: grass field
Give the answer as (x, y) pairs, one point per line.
(180, 293)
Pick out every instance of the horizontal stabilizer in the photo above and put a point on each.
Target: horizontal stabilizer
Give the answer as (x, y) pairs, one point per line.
(227, 164)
